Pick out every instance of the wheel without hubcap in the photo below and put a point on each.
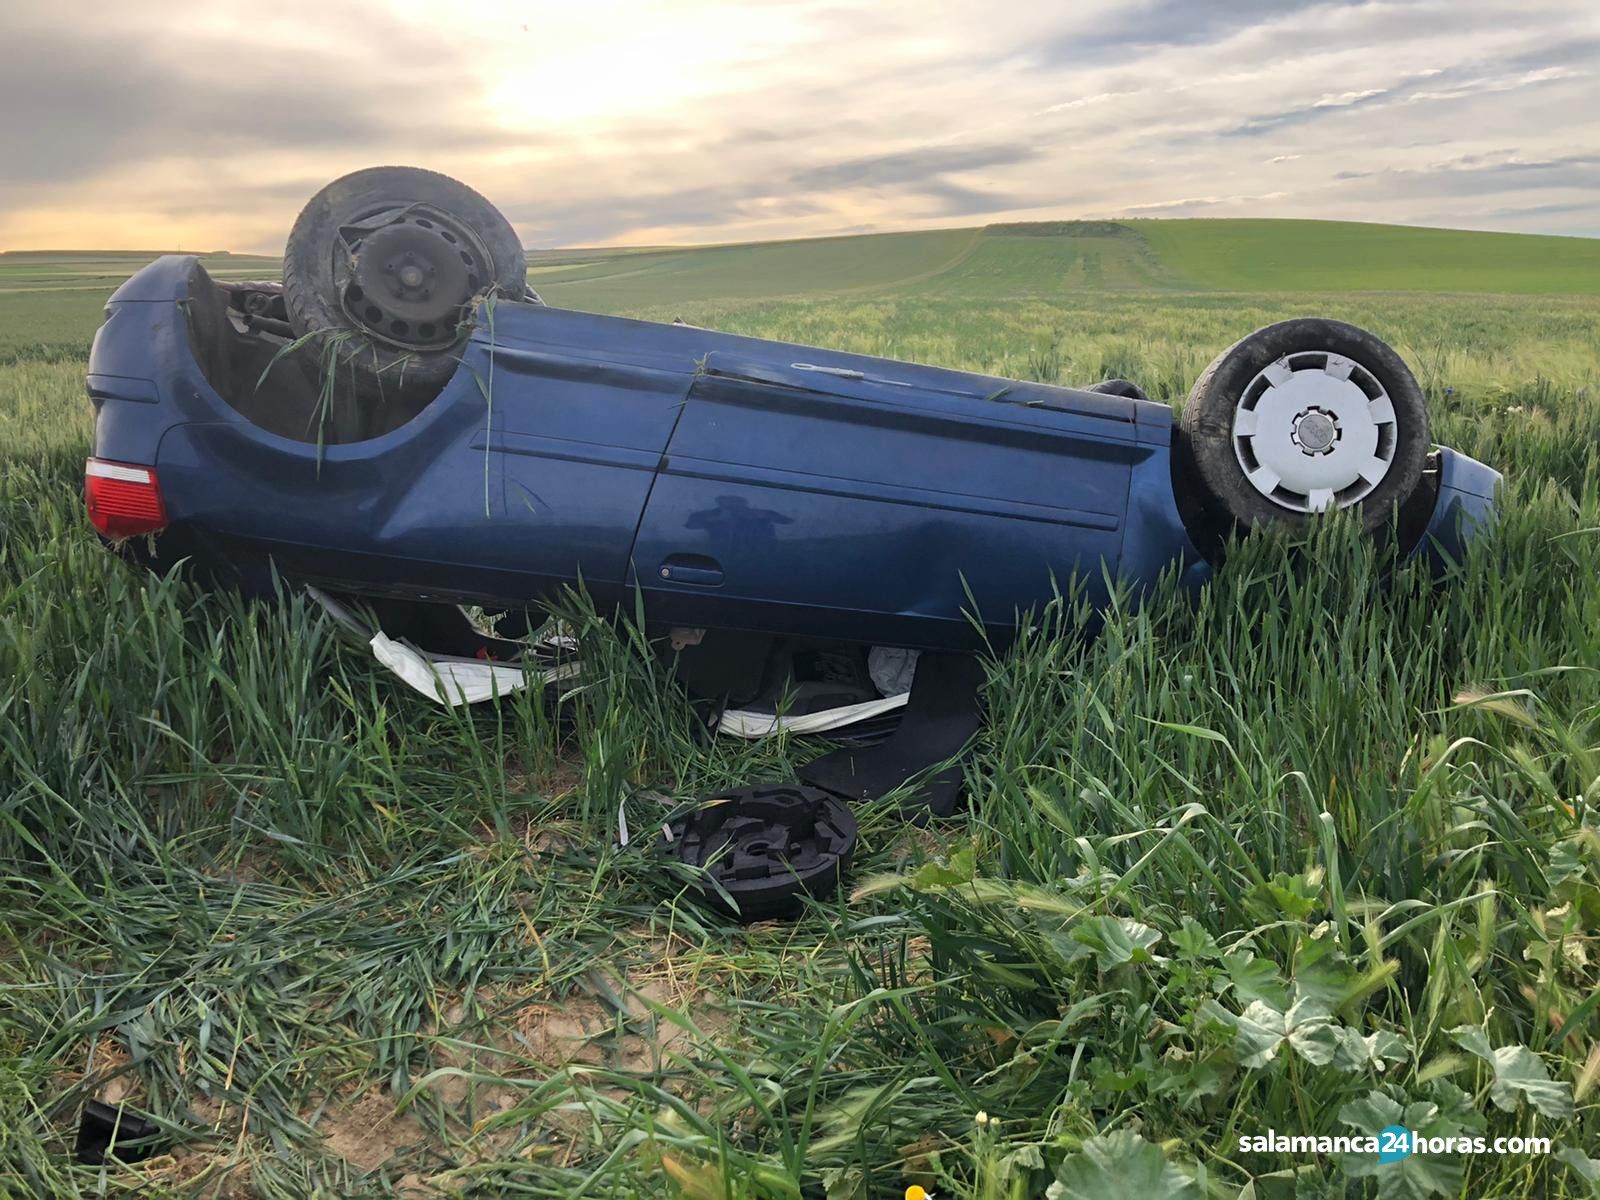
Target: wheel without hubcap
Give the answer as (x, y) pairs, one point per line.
(384, 266)
(407, 275)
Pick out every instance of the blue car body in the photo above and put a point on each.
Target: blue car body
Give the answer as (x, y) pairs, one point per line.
(736, 483)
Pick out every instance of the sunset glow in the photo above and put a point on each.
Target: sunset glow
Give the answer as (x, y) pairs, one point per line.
(204, 125)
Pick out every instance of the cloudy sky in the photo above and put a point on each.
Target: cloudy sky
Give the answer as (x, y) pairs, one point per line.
(205, 125)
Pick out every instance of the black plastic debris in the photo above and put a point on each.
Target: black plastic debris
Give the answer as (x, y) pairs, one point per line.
(111, 1129)
(767, 847)
(944, 712)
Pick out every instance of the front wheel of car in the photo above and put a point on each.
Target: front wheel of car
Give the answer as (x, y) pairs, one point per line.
(1302, 417)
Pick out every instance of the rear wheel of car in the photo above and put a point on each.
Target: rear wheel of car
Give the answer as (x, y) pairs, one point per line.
(381, 274)
(1302, 417)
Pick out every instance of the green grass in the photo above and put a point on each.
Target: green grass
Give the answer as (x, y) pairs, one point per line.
(52, 302)
(343, 943)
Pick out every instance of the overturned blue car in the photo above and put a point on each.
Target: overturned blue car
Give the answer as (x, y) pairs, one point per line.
(402, 419)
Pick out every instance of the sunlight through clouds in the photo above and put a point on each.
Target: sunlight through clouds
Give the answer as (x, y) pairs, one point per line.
(614, 123)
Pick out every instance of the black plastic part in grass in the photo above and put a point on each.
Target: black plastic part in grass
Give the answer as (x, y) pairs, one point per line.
(114, 1131)
(764, 849)
(944, 712)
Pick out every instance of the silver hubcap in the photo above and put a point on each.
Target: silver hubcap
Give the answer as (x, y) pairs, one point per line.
(1314, 430)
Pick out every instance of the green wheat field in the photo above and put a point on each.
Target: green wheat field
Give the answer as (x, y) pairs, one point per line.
(1317, 854)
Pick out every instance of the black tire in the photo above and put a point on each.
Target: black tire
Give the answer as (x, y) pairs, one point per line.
(1217, 457)
(380, 352)
(1127, 389)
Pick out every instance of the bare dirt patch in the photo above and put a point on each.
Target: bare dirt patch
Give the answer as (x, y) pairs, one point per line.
(370, 1131)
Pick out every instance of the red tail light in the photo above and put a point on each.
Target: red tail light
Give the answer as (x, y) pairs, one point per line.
(124, 501)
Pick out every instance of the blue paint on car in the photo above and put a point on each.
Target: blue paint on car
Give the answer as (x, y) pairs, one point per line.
(736, 483)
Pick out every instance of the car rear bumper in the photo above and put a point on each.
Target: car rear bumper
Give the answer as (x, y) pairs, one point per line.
(1468, 494)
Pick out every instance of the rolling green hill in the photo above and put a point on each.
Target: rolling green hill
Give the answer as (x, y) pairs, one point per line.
(53, 299)
(65, 270)
(1052, 258)
(1345, 256)
(610, 279)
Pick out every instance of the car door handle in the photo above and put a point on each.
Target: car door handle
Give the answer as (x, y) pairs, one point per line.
(692, 568)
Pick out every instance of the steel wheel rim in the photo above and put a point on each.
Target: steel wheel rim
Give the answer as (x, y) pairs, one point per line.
(1315, 430)
(407, 275)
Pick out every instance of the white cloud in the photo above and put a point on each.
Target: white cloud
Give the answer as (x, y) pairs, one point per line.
(1345, 99)
(1081, 102)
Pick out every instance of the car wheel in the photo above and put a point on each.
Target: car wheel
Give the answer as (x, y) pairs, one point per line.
(1304, 416)
(391, 261)
(1125, 388)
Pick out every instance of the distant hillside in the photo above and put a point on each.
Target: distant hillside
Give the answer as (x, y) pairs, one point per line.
(98, 272)
(55, 298)
(609, 279)
(1050, 258)
(1345, 256)
(118, 255)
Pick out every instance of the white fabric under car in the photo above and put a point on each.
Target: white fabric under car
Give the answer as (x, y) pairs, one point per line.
(453, 681)
(891, 669)
(443, 678)
(744, 724)
(458, 681)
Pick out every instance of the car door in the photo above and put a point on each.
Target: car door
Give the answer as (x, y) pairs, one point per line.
(582, 408)
(861, 499)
